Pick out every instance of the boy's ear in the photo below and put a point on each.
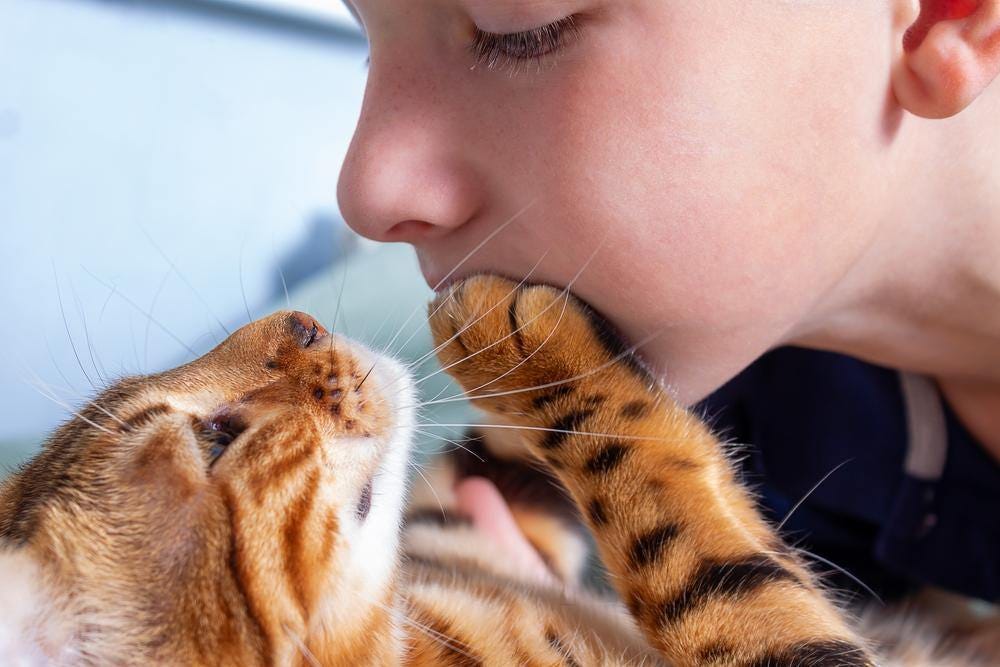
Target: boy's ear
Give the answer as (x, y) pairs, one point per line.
(950, 55)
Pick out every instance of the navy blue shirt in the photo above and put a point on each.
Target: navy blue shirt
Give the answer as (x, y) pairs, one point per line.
(915, 499)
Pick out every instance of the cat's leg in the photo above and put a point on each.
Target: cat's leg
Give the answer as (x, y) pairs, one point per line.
(472, 480)
(706, 578)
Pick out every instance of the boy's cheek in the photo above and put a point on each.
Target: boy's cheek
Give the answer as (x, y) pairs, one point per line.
(706, 174)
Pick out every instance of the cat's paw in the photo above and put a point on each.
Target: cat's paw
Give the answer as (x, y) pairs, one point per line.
(512, 345)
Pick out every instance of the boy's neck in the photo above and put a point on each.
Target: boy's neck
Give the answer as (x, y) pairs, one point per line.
(925, 297)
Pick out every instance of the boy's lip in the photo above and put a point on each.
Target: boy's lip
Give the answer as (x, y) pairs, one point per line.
(437, 283)
(442, 284)
(438, 280)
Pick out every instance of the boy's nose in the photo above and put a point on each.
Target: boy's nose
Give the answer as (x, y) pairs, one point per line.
(389, 194)
(407, 175)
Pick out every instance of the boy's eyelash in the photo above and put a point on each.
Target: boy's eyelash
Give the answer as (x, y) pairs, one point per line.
(499, 51)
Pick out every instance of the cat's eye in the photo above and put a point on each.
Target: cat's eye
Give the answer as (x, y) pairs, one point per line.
(220, 432)
(509, 50)
(219, 441)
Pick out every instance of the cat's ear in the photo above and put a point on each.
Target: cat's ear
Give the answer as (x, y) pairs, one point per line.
(164, 486)
(950, 54)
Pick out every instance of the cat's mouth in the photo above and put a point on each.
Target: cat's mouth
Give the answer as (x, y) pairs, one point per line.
(383, 491)
(364, 507)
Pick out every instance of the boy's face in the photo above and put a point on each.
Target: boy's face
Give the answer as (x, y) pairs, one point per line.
(723, 158)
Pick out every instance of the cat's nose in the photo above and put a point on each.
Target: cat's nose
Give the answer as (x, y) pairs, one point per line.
(305, 329)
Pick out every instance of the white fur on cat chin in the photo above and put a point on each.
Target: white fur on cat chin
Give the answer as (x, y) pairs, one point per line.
(21, 602)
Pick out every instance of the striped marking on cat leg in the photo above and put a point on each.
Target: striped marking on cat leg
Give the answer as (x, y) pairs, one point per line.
(607, 458)
(829, 653)
(713, 580)
(685, 544)
(649, 547)
(563, 426)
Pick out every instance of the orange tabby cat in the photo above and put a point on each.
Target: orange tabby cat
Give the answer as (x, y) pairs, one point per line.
(246, 509)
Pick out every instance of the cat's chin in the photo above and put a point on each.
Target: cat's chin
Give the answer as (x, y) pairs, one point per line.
(30, 632)
(375, 545)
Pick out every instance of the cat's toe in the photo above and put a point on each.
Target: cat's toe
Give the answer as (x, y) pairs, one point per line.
(496, 336)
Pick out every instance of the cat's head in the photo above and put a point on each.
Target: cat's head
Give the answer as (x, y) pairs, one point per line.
(246, 504)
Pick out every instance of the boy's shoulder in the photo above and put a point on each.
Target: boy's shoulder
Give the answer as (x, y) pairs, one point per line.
(900, 484)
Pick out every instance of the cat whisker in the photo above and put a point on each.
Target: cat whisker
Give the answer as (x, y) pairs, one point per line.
(135, 347)
(112, 292)
(125, 425)
(564, 293)
(152, 308)
(373, 337)
(243, 290)
(94, 357)
(438, 395)
(340, 300)
(300, 645)
(107, 300)
(509, 335)
(595, 434)
(532, 353)
(838, 568)
(465, 328)
(361, 384)
(447, 641)
(520, 390)
(429, 423)
(809, 493)
(184, 279)
(39, 384)
(284, 287)
(457, 444)
(147, 315)
(72, 343)
(429, 355)
(489, 237)
(73, 412)
(52, 358)
(430, 487)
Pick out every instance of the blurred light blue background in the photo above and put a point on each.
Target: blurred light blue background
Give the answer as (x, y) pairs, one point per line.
(163, 157)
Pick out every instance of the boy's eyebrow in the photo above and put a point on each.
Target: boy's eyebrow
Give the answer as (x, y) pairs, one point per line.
(525, 10)
(525, 4)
